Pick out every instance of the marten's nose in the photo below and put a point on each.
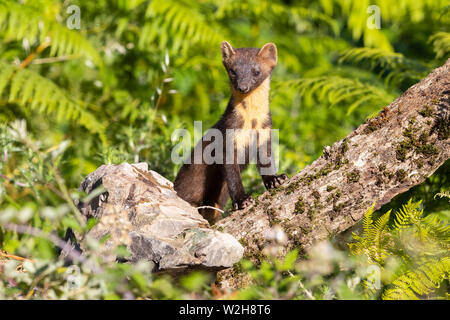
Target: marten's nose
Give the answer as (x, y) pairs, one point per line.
(243, 88)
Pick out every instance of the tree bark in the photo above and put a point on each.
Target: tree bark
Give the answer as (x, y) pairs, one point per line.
(383, 157)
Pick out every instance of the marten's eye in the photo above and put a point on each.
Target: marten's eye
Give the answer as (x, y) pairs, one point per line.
(256, 72)
(232, 73)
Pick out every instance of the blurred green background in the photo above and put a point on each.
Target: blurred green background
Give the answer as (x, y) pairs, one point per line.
(134, 71)
(115, 89)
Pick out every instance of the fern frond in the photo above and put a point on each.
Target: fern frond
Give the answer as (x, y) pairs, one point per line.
(441, 44)
(439, 229)
(337, 90)
(379, 226)
(28, 88)
(419, 282)
(375, 240)
(21, 21)
(394, 66)
(422, 237)
(292, 15)
(357, 14)
(409, 214)
(367, 222)
(444, 194)
(177, 23)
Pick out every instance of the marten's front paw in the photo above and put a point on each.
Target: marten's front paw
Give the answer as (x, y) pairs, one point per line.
(243, 203)
(275, 181)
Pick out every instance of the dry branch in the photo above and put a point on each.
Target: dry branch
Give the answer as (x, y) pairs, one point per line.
(382, 158)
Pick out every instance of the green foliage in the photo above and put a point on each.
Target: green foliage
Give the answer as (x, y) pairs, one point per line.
(336, 90)
(28, 88)
(116, 89)
(355, 14)
(326, 274)
(418, 243)
(392, 66)
(441, 44)
(419, 282)
(170, 26)
(375, 240)
(35, 21)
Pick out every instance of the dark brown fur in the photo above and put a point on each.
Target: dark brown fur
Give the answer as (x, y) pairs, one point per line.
(249, 70)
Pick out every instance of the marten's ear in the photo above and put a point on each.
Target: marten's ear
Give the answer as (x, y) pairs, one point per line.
(227, 51)
(269, 54)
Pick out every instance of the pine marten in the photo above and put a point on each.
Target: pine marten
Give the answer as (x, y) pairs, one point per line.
(202, 184)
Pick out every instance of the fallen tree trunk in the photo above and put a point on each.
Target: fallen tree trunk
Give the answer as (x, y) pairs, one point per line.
(382, 158)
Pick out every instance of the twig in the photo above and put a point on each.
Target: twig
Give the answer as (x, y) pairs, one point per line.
(66, 195)
(11, 256)
(209, 207)
(63, 245)
(53, 59)
(31, 56)
(20, 184)
(300, 284)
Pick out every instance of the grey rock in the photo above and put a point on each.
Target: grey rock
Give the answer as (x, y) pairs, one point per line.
(139, 208)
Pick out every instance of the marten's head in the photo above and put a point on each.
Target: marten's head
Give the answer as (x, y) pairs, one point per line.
(248, 67)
